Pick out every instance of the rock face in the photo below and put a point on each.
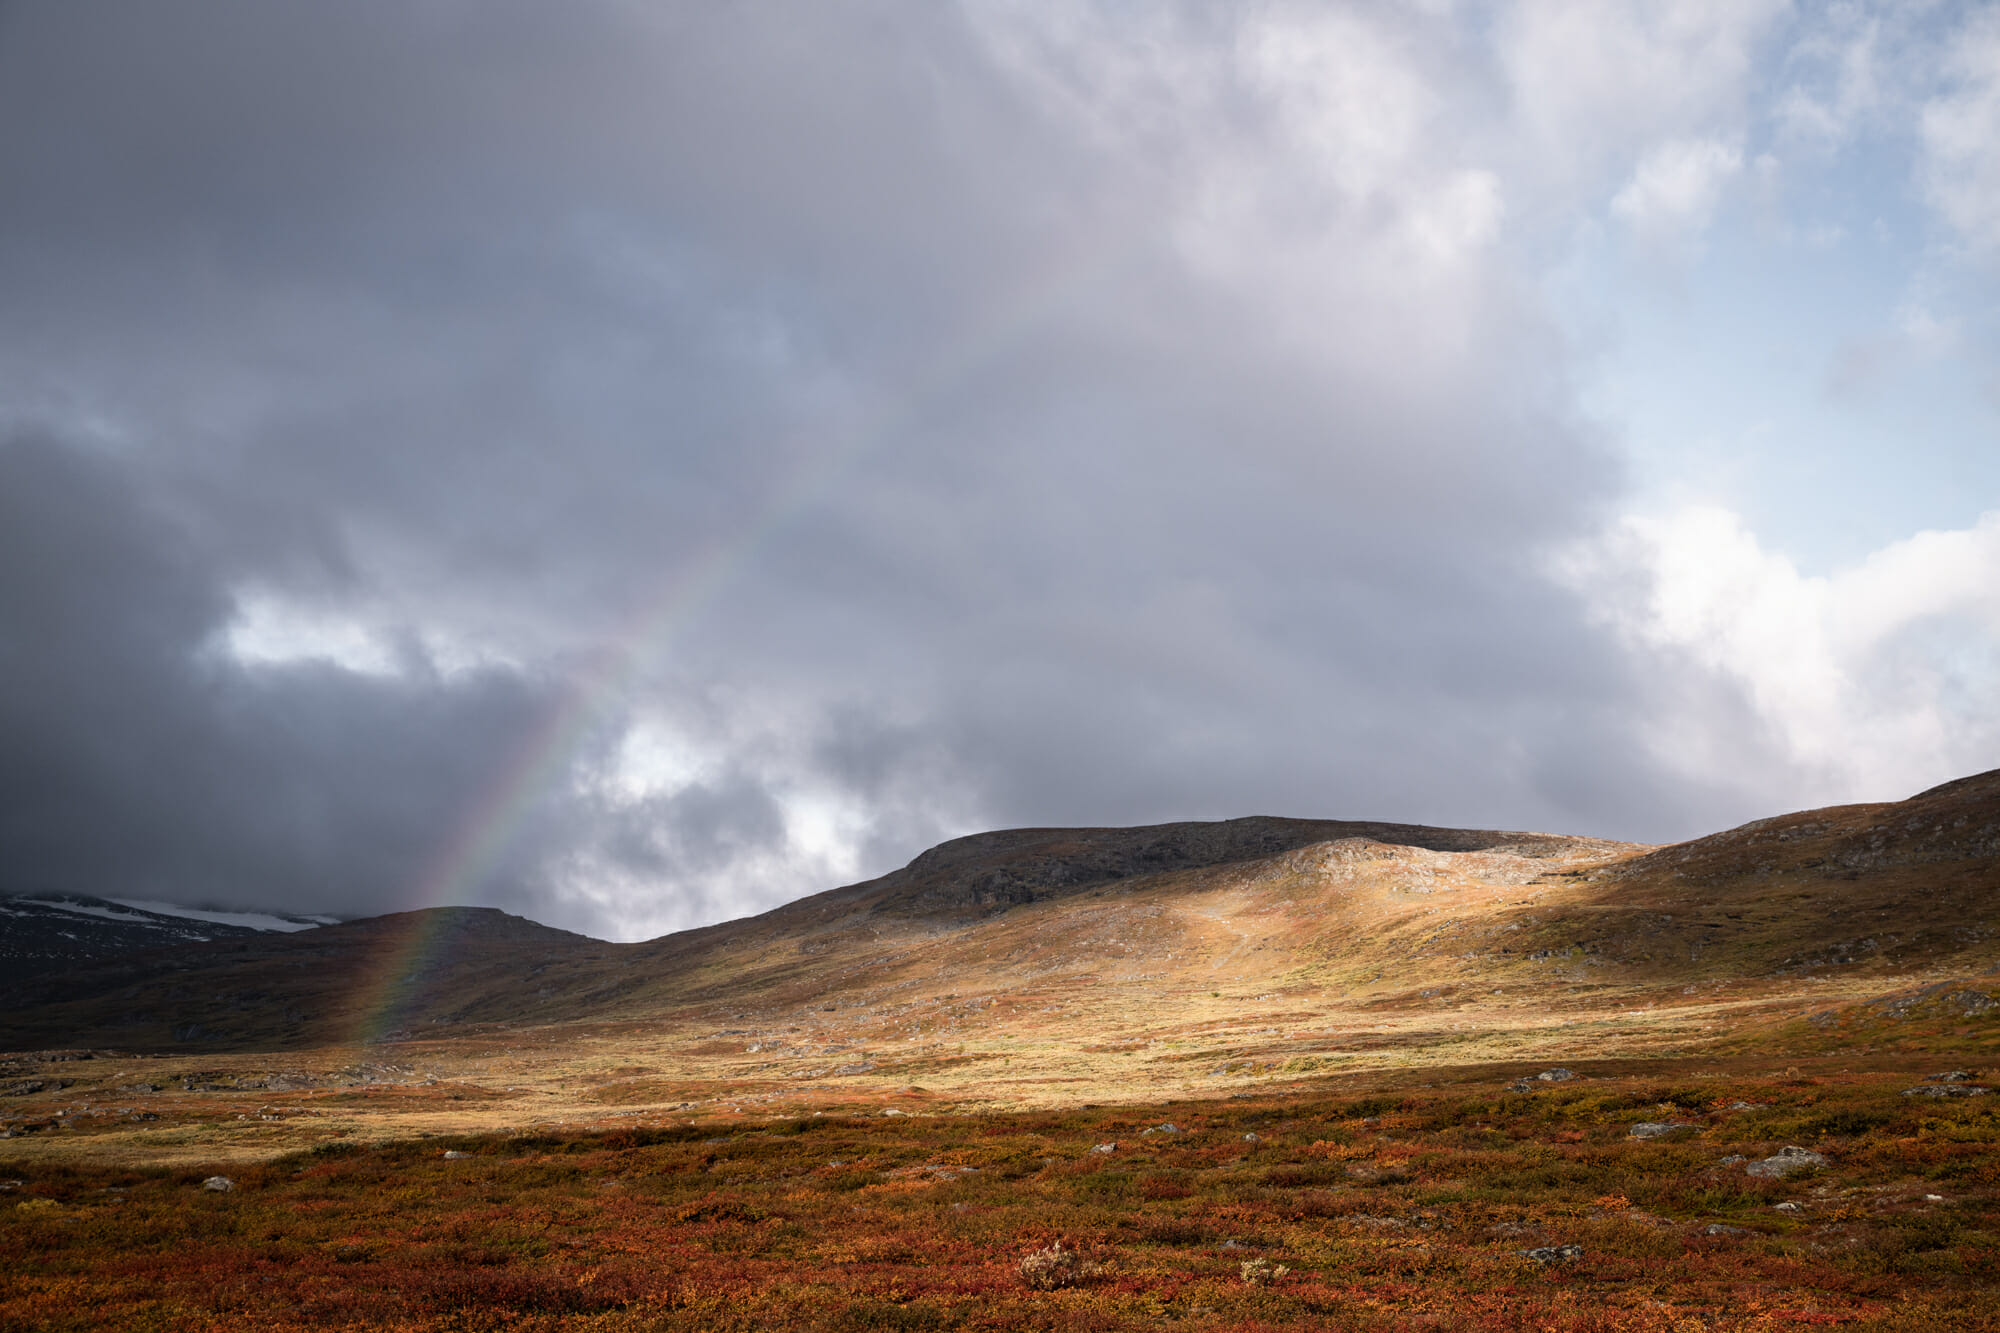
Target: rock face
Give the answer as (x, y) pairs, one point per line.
(1785, 1162)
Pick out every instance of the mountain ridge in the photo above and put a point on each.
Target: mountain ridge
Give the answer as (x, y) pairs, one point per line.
(1154, 929)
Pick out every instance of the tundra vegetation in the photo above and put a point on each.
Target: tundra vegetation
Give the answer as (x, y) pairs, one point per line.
(1481, 1200)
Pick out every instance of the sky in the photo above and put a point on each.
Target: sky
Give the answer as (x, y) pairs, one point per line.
(636, 463)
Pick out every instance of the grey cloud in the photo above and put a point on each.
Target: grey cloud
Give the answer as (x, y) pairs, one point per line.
(872, 399)
(136, 759)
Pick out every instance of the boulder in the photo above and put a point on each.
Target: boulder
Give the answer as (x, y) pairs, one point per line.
(1659, 1129)
(1786, 1161)
(1553, 1254)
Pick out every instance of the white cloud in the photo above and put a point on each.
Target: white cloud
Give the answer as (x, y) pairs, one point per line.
(1673, 193)
(1878, 679)
(1960, 167)
(1848, 77)
(1593, 80)
(269, 631)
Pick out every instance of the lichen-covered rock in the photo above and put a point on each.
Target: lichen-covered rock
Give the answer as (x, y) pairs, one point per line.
(1784, 1162)
(1553, 1254)
(1659, 1129)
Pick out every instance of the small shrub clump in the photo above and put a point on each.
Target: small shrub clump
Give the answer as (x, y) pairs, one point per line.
(1056, 1267)
(1262, 1272)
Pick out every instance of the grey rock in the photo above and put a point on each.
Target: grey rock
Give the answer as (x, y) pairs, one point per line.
(1784, 1162)
(1168, 1128)
(1658, 1129)
(454, 1155)
(1950, 1076)
(1555, 1076)
(1724, 1229)
(1553, 1254)
(1106, 1147)
(1947, 1090)
(219, 1184)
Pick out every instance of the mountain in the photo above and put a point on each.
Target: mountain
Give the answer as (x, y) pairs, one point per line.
(1155, 934)
(59, 931)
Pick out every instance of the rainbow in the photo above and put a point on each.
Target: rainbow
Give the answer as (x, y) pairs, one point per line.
(479, 842)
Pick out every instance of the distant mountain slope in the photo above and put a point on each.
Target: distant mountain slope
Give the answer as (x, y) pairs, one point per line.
(50, 932)
(350, 981)
(1357, 916)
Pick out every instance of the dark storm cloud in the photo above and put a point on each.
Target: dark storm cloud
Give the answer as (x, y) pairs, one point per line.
(1001, 429)
(138, 759)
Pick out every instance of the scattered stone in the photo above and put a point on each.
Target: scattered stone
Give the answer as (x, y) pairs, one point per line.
(861, 1068)
(454, 1155)
(1168, 1128)
(1555, 1076)
(1789, 1207)
(1950, 1076)
(1658, 1129)
(1934, 1198)
(1746, 1106)
(1250, 1138)
(1785, 1162)
(1947, 1090)
(1724, 1229)
(219, 1184)
(1106, 1147)
(890, 1110)
(1553, 1254)
(1730, 1160)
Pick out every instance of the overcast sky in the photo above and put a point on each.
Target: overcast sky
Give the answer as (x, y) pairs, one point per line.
(634, 463)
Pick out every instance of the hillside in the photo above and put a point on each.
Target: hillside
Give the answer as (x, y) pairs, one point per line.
(1051, 965)
(1037, 902)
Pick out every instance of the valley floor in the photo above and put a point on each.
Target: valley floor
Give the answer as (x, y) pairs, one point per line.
(1629, 1196)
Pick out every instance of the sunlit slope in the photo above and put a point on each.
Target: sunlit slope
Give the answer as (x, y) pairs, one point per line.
(1252, 915)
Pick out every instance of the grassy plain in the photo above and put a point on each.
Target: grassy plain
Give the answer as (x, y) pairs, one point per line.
(1392, 1203)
